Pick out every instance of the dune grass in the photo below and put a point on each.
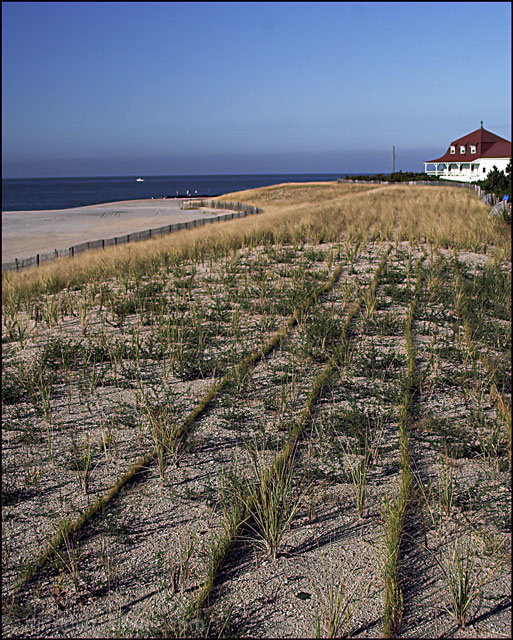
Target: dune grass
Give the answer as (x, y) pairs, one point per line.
(292, 214)
(135, 389)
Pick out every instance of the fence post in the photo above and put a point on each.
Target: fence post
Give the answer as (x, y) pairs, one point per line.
(16, 262)
(56, 253)
(37, 259)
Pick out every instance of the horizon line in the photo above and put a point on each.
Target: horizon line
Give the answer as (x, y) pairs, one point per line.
(187, 175)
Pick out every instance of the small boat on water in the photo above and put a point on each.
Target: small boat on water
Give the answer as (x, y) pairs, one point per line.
(139, 179)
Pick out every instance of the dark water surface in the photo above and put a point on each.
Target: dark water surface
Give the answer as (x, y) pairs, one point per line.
(36, 194)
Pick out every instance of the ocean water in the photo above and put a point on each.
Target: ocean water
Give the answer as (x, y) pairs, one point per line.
(36, 194)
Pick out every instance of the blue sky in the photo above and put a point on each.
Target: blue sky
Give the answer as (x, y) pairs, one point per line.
(164, 88)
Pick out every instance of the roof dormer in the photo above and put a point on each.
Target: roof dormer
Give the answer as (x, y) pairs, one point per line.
(463, 149)
(452, 149)
(473, 148)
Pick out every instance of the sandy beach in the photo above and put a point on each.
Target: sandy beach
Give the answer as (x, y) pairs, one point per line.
(26, 233)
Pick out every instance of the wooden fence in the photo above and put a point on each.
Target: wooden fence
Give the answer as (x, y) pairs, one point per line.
(500, 208)
(237, 210)
(429, 183)
(219, 204)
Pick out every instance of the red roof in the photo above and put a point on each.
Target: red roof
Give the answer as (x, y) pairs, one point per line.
(487, 144)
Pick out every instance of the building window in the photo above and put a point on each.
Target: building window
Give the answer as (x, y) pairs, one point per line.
(462, 149)
(472, 148)
(453, 149)
(484, 170)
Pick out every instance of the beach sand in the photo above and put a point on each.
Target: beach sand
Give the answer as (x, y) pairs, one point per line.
(27, 233)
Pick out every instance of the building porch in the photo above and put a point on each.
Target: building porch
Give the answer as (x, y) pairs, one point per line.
(462, 171)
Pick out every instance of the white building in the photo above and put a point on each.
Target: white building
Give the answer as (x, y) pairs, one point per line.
(471, 157)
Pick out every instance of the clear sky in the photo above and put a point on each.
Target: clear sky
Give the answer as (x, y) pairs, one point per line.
(163, 88)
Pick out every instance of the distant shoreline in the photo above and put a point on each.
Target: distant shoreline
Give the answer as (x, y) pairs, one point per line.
(43, 194)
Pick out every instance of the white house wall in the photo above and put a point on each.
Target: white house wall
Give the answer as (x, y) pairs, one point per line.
(489, 163)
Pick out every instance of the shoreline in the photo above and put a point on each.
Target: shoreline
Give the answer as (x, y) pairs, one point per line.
(63, 193)
(27, 233)
(112, 203)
